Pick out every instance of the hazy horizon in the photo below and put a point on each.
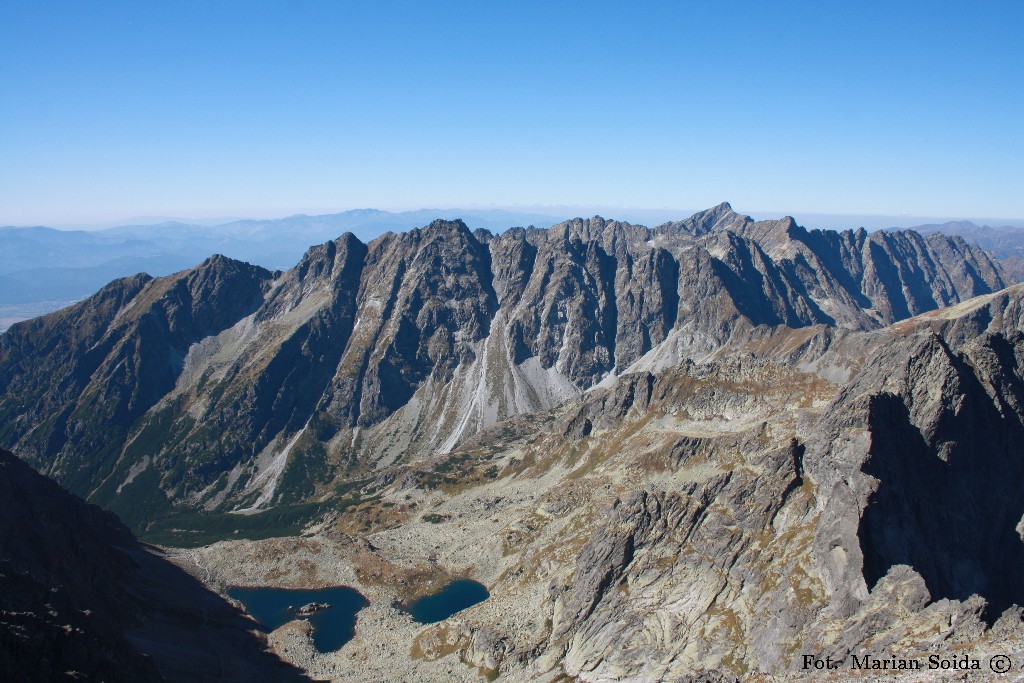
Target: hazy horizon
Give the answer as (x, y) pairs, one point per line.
(267, 109)
(644, 216)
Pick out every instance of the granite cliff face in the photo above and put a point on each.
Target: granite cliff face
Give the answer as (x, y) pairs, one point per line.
(229, 387)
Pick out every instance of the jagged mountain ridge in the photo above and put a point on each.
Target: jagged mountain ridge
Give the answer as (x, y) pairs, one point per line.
(40, 265)
(1005, 243)
(231, 387)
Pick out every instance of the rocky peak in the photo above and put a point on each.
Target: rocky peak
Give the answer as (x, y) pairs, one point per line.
(615, 237)
(442, 226)
(720, 217)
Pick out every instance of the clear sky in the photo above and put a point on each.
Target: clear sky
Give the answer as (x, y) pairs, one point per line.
(111, 109)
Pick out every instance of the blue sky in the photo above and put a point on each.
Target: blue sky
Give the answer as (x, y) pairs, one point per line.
(114, 109)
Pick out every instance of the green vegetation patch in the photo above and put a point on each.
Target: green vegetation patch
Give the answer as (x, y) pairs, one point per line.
(459, 471)
(192, 529)
(138, 502)
(434, 518)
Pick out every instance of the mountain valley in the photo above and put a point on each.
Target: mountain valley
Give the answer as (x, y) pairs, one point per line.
(699, 451)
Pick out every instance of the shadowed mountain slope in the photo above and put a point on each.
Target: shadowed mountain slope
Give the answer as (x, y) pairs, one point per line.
(80, 599)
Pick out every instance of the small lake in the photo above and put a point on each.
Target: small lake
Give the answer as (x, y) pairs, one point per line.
(332, 626)
(454, 597)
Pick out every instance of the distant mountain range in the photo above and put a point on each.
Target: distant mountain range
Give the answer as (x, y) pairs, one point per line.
(1005, 242)
(43, 269)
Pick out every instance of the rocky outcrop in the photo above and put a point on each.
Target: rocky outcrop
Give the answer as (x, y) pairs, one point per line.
(942, 466)
(725, 517)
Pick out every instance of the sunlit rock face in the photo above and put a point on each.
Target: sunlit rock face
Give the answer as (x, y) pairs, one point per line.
(231, 387)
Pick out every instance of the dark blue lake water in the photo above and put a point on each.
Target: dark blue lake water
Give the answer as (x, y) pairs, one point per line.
(454, 597)
(332, 627)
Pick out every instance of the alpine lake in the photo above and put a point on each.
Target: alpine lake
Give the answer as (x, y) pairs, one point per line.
(333, 616)
(453, 598)
(332, 611)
